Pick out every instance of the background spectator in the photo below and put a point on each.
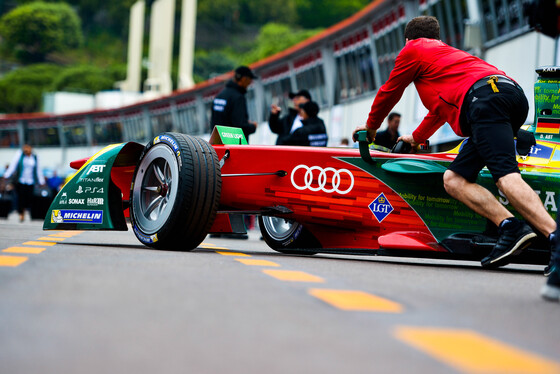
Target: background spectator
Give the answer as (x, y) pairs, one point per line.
(230, 105)
(27, 174)
(292, 121)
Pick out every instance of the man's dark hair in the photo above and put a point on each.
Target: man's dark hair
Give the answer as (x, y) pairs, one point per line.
(393, 115)
(422, 27)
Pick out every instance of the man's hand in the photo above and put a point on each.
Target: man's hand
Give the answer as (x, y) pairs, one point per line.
(275, 109)
(370, 133)
(253, 123)
(410, 140)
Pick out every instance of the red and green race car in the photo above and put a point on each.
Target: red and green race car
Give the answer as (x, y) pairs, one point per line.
(179, 188)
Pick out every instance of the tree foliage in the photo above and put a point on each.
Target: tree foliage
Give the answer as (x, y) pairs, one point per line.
(211, 64)
(36, 29)
(100, 15)
(302, 13)
(87, 79)
(21, 90)
(275, 37)
(324, 13)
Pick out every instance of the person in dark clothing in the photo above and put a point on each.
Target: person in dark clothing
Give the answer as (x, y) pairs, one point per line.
(312, 131)
(26, 172)
(289, 123)
(230, 106)
(388, 138)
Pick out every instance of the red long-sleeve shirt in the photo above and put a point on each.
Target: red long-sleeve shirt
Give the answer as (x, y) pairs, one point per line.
(442, 76)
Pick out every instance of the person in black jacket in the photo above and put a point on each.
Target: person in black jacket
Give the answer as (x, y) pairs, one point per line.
(389, 137)
(230, 106)
(287, 124)
(312, 131)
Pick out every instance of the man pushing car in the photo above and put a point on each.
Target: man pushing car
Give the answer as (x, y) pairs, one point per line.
(482, 103)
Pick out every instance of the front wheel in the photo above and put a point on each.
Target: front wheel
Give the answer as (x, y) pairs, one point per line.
(287, 236)
(175, 192)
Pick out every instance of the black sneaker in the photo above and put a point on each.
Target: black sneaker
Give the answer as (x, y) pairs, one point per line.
(553, 244)
(551, 290)
(548, 269)
(514, 237)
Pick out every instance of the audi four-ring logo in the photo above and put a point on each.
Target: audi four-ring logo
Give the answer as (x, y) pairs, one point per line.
(321, 176)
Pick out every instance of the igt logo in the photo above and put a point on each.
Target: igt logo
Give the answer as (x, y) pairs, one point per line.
(95, 169)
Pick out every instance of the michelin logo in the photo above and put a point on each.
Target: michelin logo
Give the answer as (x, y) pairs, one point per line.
(147, 239)
(77, 216)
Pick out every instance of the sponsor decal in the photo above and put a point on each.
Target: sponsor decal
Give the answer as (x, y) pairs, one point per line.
(95, 201)
(148, 239)
(541, 151)
(316, 179)
(95, 169)
(172, 143)
(548, 199)
(76, 216)
(380, 207)
(89, 190)
(91, 180)
(76, 201)
(63, 199)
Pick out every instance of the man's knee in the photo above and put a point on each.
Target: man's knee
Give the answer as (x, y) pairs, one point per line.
(509, 180)
(452, 182)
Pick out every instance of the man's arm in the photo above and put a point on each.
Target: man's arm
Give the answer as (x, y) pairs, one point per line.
(405, 71)
(13, 165)
(240, 117)
(429, 125)
(275, 123)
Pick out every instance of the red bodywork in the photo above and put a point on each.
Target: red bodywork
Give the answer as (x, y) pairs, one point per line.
(337, 220)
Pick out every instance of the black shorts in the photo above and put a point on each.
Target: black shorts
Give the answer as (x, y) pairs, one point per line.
(492, 120)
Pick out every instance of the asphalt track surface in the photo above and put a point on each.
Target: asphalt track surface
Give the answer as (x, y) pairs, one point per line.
(100, 302)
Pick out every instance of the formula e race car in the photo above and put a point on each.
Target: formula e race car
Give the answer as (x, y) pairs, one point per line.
(178, 188)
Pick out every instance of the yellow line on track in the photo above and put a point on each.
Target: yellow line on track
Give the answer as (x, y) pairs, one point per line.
(254, 262)
(33, 242)
(29, 250)
(293, 276)
(12, 261)
(52, 239)
(471, 352)
(233, 254)
(356, 301)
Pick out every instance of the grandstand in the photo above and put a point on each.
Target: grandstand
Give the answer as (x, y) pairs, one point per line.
(342, 67)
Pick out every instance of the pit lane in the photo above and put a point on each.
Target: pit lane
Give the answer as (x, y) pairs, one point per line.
(102, 302)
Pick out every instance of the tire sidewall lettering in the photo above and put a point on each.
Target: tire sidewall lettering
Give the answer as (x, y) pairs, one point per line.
(172, 143)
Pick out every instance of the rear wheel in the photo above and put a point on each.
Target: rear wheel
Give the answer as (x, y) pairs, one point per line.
(287, 236)
(175, 192)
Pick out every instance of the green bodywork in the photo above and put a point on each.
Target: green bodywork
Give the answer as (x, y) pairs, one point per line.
(83, 203)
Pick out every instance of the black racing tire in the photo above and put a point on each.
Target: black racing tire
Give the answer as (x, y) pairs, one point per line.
(287, 236)
(175, 192)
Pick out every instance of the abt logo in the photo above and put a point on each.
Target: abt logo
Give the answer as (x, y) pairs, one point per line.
(95, 169)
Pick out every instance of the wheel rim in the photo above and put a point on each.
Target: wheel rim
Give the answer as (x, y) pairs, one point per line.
(155, 189)
(279, 228)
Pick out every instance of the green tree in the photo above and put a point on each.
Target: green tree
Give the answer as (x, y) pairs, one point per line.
(211, 64)
(275, 37)
(325, 13)
(21, 91)
(36, 29)
(88, 79)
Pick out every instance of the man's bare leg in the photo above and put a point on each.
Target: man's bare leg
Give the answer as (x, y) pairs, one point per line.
(476, 197)
(526, 202)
